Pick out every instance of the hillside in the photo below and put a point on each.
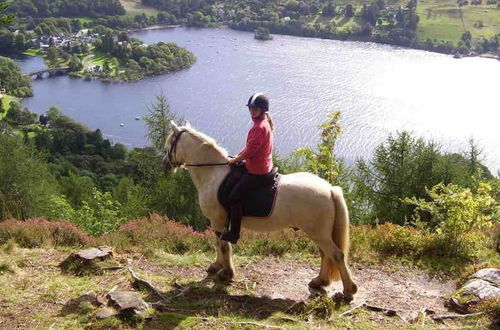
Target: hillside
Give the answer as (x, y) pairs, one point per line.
(270, 290)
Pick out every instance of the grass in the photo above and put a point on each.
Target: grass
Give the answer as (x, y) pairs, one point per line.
(443, 20)
(135, 7)
(174, 257)
(32, 52)
(35, 296)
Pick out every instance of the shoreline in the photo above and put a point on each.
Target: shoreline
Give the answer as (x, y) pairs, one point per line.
(352, 38)
(154, 27)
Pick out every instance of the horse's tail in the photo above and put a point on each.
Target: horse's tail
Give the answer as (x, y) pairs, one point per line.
(340, 232)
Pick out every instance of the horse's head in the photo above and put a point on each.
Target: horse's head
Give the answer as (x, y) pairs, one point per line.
(172, 156)
(186, 145)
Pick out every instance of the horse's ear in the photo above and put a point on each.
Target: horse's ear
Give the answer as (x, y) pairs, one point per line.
(174, 127)
(188, 124)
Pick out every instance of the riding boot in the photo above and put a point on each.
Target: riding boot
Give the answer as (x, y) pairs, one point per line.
(235, 224)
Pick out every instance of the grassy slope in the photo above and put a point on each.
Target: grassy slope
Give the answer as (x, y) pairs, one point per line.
(134, 7)
(439, 19)
(34, 292)
(442, 20)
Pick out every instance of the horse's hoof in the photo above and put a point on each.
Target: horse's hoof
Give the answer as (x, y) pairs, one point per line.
(346, 298)
(224, 275)
(214, 268)
(316, 290)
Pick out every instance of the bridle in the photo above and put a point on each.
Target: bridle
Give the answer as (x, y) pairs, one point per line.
(173, 150)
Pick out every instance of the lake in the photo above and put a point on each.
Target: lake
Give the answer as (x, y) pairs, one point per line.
(378, 88)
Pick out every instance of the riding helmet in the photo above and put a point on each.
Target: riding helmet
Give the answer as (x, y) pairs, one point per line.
(259, 100)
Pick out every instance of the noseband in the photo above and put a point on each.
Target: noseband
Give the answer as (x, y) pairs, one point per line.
(173, 150)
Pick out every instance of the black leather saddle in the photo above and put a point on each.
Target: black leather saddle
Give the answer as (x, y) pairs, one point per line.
(258, 202)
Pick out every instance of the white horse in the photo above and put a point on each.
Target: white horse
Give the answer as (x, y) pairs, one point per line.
(304, 201)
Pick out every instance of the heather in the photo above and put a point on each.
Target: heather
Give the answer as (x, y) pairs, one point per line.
(381, 244)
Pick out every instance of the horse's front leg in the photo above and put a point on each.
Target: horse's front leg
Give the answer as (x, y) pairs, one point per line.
(223, 266)
(217, 264)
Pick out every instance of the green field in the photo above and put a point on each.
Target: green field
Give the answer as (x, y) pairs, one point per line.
(31, 52)
(134, 7)
(445, 20)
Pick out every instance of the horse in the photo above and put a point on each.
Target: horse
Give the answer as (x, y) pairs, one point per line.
(304, 201)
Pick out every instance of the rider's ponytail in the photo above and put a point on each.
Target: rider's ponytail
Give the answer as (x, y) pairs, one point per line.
(270, 121)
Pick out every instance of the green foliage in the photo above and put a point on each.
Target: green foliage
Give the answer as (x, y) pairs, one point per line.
(12, 79)
(403, 167)
(26, 184)
(68, 8)
(132, 198)
(158, 122)
(323, 162)
(5, 19)
(456, 211)
(135, 60)
(99, 215)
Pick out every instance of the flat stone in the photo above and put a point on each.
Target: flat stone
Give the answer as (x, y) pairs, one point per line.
(106, 312)
(95, 253)
(491, 275)
(127, 300)
(481, 289)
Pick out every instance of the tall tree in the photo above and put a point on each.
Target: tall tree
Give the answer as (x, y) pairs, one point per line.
(158, 122)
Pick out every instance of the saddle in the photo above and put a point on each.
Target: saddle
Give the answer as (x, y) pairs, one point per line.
(258, 202)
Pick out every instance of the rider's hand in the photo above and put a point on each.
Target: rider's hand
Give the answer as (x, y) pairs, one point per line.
(232, 161)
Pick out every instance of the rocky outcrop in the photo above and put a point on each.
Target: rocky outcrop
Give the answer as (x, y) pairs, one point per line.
(483, 285)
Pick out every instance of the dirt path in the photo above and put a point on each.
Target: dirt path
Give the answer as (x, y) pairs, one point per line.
(408, 291)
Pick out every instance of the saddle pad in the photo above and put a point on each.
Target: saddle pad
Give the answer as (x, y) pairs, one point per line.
(258, 202)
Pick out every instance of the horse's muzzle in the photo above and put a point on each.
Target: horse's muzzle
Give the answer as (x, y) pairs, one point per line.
(166, 163)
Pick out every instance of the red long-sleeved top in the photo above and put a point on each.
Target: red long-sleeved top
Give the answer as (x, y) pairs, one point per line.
(259, 148)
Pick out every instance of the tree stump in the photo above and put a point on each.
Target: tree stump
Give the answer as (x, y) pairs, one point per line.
(86, 261)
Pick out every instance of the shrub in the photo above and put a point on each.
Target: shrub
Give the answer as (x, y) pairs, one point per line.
(157, 232)
(455, 213)
(34, 233)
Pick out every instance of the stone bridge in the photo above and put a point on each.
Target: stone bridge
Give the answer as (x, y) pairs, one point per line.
(38, 74)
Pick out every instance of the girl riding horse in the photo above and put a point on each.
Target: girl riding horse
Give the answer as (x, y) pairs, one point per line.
(258, 161)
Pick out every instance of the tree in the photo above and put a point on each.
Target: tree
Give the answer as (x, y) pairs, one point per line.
(53, 55)
(158, 122)
(75, 64)
(27, 185)
(323, 162)
(5, 19)
(349, 11)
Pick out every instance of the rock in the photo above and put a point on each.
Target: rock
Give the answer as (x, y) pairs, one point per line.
(127, 300)
(491, 275)
(481, 289)
(105, 312)
(484, 284)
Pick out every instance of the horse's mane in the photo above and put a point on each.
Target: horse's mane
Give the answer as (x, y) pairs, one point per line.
(207, 141)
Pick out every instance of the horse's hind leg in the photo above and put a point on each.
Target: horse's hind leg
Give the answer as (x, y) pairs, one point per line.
(337, 256)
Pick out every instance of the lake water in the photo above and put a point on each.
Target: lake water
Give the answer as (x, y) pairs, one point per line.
(379, 89)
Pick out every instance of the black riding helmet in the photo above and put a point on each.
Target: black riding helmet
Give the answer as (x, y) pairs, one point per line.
(259, 100)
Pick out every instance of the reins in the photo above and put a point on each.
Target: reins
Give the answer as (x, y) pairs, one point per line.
(173, 149)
